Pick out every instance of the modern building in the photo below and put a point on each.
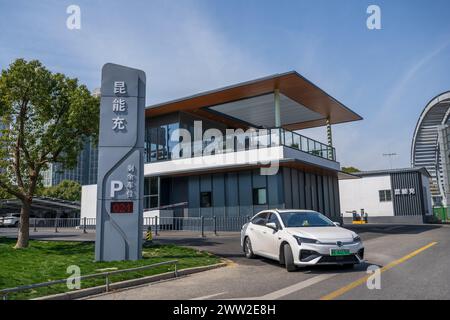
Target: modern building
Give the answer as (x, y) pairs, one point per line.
(431, 149)
(236, 150)
(85, 171)
(388, 196)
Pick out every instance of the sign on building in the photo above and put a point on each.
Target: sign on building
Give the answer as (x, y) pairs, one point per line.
(120, 164)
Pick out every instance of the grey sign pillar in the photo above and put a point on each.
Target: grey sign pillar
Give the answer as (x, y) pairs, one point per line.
(120, 185)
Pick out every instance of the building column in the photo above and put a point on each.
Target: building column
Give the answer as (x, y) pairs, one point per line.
(277, 108)
(330, 139)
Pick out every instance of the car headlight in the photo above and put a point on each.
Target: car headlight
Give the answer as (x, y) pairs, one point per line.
(301, 240)
(356, 239)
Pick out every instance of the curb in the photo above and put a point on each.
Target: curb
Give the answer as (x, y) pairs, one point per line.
(82, 293)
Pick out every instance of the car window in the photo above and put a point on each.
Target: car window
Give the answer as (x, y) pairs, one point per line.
(305, 219)
(260, 219)
(273, 218)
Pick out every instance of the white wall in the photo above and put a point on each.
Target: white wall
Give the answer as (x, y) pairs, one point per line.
(89, 205)
(88, 201)
(357, 194)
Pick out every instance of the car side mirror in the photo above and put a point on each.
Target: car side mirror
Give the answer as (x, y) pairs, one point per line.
(337, 224)
(272, 225)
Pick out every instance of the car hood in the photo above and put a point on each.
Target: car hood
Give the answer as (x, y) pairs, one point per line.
(323, 234)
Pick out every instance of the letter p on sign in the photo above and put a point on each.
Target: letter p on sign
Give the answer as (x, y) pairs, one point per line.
(116, 186)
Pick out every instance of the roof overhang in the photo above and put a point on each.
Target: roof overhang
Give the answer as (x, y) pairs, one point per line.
(294, 89)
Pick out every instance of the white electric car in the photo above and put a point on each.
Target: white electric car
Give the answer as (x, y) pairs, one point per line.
(300, 238)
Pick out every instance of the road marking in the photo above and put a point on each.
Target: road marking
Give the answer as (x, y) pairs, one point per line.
(296, 287)
(362, 280)
(210, 296)
(291, 289)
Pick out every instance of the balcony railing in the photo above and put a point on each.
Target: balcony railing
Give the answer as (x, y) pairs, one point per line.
(261, 139)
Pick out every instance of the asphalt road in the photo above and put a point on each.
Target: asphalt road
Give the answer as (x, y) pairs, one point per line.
(413, 262)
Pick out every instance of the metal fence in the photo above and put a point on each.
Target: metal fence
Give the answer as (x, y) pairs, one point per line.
(442, 214)
(200, 224)
(155, 224)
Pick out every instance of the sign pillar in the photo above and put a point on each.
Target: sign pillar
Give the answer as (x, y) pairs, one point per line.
(120, 186)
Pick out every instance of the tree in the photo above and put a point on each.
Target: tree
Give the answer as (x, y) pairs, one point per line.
(66, 190)
(45, 117)
(350, 169)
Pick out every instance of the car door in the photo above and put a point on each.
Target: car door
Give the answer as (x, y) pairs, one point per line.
(270, 241)
(256, 228)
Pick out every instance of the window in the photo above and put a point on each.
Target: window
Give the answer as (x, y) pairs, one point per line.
(205, 199)
(273, 218)
(259, 196)
(151, 193)
(260, 219)
(385, 195)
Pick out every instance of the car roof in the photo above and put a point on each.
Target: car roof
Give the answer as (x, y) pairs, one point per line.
(286, 210)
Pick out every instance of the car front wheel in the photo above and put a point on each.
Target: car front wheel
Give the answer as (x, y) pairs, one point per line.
(248, 249)
(288, 258)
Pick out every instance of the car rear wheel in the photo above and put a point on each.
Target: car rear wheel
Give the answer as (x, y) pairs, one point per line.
(248, 249)
(288, 258)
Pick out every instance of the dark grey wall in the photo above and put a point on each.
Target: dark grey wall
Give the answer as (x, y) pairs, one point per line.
(232, 193)
(411, 204)
(305, 190)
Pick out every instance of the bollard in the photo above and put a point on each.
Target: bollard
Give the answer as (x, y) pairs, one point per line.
(107, 282)
(215, 225)
(202, 220)
(156, 225)
(84, 225)
(56, 225)
(35, 225)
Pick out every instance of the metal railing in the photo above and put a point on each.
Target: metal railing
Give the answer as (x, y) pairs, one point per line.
(201, 224)
(264, 138)
(5, 292)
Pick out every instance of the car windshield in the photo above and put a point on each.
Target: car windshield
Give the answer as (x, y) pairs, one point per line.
(293, 219)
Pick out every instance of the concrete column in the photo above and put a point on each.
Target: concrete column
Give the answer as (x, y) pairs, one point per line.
(277, 108)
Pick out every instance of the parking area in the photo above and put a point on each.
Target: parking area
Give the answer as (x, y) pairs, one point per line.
(413, 261)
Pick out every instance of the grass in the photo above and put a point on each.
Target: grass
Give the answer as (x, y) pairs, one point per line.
(48, 260)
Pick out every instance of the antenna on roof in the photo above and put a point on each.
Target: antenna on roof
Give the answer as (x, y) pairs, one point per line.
(390, 155)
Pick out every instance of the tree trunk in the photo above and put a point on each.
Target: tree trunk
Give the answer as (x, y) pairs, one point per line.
(24, 225)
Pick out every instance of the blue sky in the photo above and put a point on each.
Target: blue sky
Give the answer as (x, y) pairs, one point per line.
(186, 46)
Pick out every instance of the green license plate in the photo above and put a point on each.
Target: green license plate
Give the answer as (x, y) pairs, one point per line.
(339, 252)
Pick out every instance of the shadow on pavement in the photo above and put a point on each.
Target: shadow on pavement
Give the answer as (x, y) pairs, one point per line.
(390, 228)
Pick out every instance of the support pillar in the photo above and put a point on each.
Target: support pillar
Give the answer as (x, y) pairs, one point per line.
(277, 108)
(330, 140)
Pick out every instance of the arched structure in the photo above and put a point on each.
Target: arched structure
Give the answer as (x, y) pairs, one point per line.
(426, 147)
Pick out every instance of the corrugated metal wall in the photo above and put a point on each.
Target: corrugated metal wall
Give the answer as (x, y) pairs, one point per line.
(232, 193)
(305, 190)
(410, 204)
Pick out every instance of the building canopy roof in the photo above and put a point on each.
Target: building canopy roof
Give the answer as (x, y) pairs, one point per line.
(303, 104)
(40, 204)
(422, 170)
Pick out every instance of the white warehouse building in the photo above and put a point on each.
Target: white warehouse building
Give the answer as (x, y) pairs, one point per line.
(388, 196)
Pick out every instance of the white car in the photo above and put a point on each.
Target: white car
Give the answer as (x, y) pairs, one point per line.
(300, 238)
(11, 220)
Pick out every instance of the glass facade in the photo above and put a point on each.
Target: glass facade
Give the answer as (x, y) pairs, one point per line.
(160, 141)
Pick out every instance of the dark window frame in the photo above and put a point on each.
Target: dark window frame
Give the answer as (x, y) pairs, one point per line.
(255, 195)
(206, 204)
